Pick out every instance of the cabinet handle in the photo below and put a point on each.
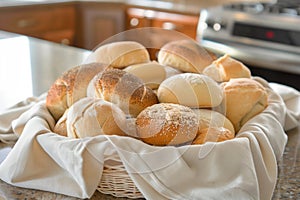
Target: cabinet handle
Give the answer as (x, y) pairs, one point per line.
(169, 26)
(134, 21)
(23, 23)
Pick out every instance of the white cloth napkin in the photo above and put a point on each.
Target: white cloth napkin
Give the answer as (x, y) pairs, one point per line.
(242, 168)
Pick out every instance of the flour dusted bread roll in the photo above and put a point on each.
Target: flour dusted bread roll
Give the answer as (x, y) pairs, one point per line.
(70, 87)
(225, 68)
(152, 73)
(167, 124)
(123, 89)
(190, 89)
(120, 54)
(243, 98)
(185, 55)
(90, 117)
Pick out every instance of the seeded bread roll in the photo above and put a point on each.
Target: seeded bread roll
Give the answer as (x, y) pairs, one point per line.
(70, 87)
(213, 134)
(152, 73)
(225, 68)
(243, 99)
(185, 55)
(210, 118)
(89, 117)
(190, 89)
(120, 54)
(123, 89)
(167, 124)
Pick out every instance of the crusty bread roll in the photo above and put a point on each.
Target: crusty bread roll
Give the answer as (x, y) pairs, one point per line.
(120, 54)
(185, 55)
(225, 68)
(90, 117)
(152, 73)
(61, 126)
(210, 118)
(123, 89)
(70, 87)
(167, 124)
(213, 134)
(243, 99)
(190, 89)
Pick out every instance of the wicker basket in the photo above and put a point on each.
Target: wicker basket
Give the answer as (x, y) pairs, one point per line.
(116, 181)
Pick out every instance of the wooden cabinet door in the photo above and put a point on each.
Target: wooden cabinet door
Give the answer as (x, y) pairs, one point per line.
(97, 22)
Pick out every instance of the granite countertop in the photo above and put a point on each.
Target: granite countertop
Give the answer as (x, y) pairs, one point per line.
(47, 61)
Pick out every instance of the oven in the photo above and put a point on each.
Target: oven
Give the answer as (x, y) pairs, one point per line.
(264, 36)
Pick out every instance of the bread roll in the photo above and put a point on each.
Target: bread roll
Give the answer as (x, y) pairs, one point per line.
(167, 124)
(213, 134)
(210, 118)
(243, 99)
(185, 55)
(225, 68)
(120, 54)
(61, 126)
(152, 73)
(70, 87)
(190, 89)
(123, 89)
(90, 117)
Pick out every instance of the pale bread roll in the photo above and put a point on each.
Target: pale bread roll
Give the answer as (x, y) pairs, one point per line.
(167, 124)
(152, 73)
(89, 117)
(190, 89)
(123, 89)
(225, 68)
(210, 118)
(185, 55)
(120, 54)
(213, 134)
(243, 99)
(70, 87)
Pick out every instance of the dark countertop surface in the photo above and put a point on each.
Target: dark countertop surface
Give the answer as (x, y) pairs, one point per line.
(45, 62)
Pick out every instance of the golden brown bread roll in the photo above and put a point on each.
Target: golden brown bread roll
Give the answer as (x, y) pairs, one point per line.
(90, 117)
(120, 54)
(167, 124)
(213, 134)
(210, 118)
(151, 73)
(225, 68)
(185, 55)
(123, 89)
(190, 89)
(243, 99)
(70, 87)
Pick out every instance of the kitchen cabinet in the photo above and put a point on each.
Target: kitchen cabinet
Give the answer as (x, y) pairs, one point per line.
(97, 21)
(51, 22)
(181, 23)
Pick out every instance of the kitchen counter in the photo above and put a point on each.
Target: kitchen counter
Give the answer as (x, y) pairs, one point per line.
(38, 63)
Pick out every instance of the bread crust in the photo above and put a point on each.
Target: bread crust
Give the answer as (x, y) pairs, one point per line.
(243, 99)
(125, 90)
(185, 55)
(167, 124)
(70, 87)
